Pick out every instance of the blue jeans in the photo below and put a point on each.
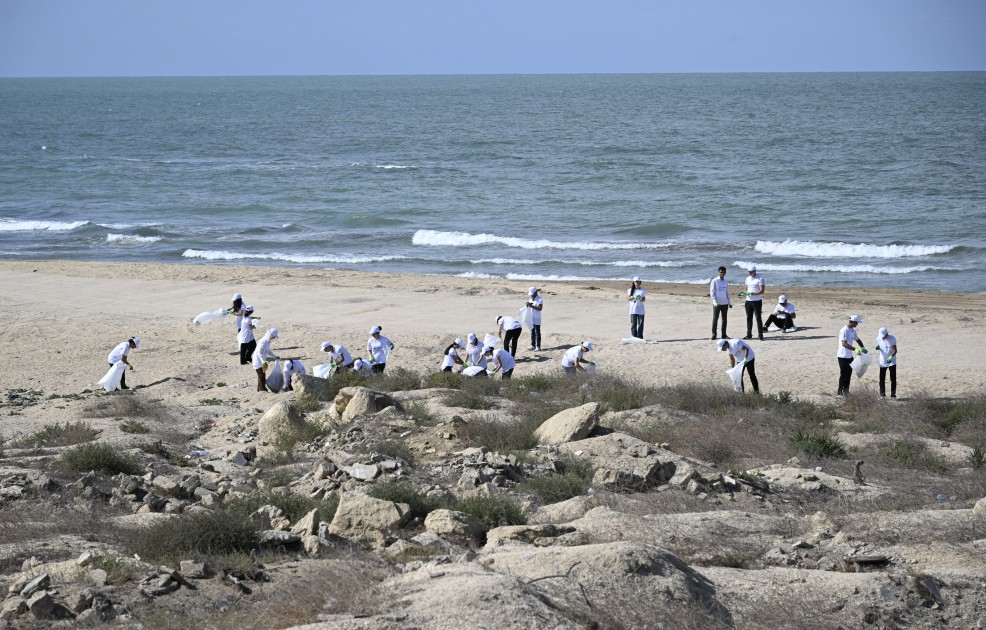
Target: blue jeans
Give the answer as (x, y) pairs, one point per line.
(536, 336)
(637, 326)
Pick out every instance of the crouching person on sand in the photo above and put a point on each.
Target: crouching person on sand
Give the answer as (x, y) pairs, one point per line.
(261, 356)
(499, 361)
(362, 366)
(741, 351)
(574, 358)
(121, 353)
(451, 358)
(289, 369)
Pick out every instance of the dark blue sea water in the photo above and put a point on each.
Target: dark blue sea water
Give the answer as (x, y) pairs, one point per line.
(820, 179)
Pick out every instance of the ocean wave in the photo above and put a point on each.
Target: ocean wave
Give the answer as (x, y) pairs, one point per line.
(529, 277)
(11, 225)
(465, 239)
(584, 263)
(840, 268)
(294, 258)
(131, 238)
(392, 166)
(815, 249)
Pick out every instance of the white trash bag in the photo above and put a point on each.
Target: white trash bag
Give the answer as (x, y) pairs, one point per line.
(473, 370)
(111, 382)
(490, 340)
(735, 374)
(526, 316)
(209, 316)
(860, 363)
(634, 341)
(275, 380)
(590, 368)
(324, 370)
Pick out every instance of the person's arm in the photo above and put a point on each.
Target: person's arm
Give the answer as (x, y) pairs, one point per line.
(746, 356)
(712, 293)
(893, 354)
(537, 307)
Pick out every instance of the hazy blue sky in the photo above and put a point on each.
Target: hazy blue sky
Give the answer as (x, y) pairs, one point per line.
(323, 37)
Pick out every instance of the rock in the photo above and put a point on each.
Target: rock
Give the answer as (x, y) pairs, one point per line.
(352, 402)
(456, 526)
(193, 570)
(317, 388)
(278, 538)
(270, 517)
(569, 425)
(363, 472)
(308, 524)
(622, 462)
(530, 534)
(980, 507)
(43, 606)
(13, 607)
(167, 485)
(84, 559)
(281, 419)
(99, 577)
(40, 583)
(368, 520)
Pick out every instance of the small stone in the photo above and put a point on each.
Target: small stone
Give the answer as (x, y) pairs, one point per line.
(40, 583)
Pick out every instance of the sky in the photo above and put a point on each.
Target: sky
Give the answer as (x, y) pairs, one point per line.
(69, 38)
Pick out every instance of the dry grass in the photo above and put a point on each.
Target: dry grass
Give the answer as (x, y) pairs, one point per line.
(52, 435)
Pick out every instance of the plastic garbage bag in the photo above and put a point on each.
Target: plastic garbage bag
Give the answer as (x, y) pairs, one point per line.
(590, 368)
(634, 340)
(735, 374)
(275, 380)
(860, 363)
(473, 370)
(324, 370)
(111, 382)
(526, 317)
(490, 340)
(209, 316)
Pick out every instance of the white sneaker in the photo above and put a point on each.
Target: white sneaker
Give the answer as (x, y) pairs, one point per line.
(794, 328)
(531, 348)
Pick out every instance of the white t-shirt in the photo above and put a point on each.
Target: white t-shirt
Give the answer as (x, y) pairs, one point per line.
(118, 352)
(246, 330)
(448, 360)
(379, 348)
(636, 306)
(341, 356)
(738, 348)
(362, 366)
(849, 336)
(293, 367)
(719, 291)
(474, 354)
(754, 284)
(509, 323)
(573, 353)
(503, 358)
(886, 346)
(783, 310)
(537, 301)
(262, 353)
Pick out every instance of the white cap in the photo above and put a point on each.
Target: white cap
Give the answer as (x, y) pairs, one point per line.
(587, 345)
(751, 268)
(375, 330)
(237, 296)
(532, 290)
(272, 333)
(781, 299)
(489, 350)
(471, 336)
(883, 332)
(248, 309)
(856, 318)
(136, 341)
(636, 278)
(722, 343)
(326, 345)
(458, 341)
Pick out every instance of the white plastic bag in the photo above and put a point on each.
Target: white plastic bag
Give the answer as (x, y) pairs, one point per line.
(634, 340)
(324, 370)
(111, 382)
(735, 374)
(526, 317)
(209, 316)
(860, 363)
(275, 380)
(490, 340)
(590, 368)
(473, 370)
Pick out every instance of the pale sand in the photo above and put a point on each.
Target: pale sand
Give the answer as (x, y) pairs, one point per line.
(62, 318)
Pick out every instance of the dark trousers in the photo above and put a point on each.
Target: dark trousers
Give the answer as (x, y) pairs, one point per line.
(261, 380)
(637, 326)
(246, 351)
(377, 368)
(783, 324)
(752, 371)
(510, 338)
(754, 308)
(507, 374)
(845, 375)
(536, 336)
(723, 310)
(893, 380)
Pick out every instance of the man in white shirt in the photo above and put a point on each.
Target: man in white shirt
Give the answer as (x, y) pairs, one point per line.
(845, 354)
(783, 316)
(754, 302)
(887, 360)
(741, 351)
(121, 352)
(510, 330)
(574, 357)
(536, 304)
(500, 361)
(338, 355)
(719, 292)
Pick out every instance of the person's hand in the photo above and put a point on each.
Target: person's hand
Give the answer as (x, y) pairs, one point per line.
(715, 304)
(865, 351)
(130, 367)
(392, 346)
(891, 358)
(857, 351)
(263, 364)
(743, 294)
(730, 306)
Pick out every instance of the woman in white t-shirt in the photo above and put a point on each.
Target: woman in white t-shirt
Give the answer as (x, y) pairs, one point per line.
(536, 304)
(339, 356)
(500, 361)
(248, 342)
(636, 296)
(474, 351)
(261, 356)
(450, 358)
(289, 369)
(237, 309)
(362, 366)
(510, 330)
(379, 348)
(887, 360)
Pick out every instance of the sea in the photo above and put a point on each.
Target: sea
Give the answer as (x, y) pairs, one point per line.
(858, 180)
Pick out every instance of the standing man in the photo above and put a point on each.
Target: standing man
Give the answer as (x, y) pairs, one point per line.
(754, 302)
(536, 305)
(848, 336)
(719, 292)
(887, 360)
(509, 330)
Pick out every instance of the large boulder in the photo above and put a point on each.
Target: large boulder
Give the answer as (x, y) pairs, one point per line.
(456, 526)
(569, 425)
(352, 402)
(367, 520)
(306, 385)
(980, 507)
(281, 419)
(622, 461)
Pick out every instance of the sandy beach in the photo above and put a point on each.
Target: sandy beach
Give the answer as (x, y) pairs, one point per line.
(62, 318)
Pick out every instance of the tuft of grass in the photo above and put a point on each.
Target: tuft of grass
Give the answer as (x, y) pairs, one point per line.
(976, 459)
(118, 569)
(396, 380)
(912, 455)
(134, 426)
(393, 448)
(495, 511)
(211, 402)
(404, 492)
(102, 457)
(293, 505)
(573, 481)
(496, 435)
(118, 405)
(467, 399)
(57, 434)
(818, 444)
(210, 533)
(307, 403)
(309, 431)
(418, 412)
(450, 380)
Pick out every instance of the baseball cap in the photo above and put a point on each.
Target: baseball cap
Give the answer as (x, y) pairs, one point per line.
(237, 296)
(636, 278)
(781, 299)
(883, 332)
(136, 341)
(472, 336)
(458, 341)
(587, 345)
(248, 309)
(532, 290)
(273, 333)
(375, 330)
(751, 268)
(326, 345)
(721, 343)
(856, 318)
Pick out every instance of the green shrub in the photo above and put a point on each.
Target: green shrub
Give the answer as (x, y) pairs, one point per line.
(102, 457)
(911, 455)
(293, 505)
(307, 403)
(503, 436)
(573, 480)
(404, 492)
(60, 435)
(450, 380)
(309, 431)
(419, 412)
(393, 448)
(977, 458)
(817, 444)
(467, 399)
(123, 404)
(134, 426)
(201, 533)
(495, 511)
(396, 380)
(118, 569)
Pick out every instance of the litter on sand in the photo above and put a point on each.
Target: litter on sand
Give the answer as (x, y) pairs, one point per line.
(111, 382)
(635, 340)
(209, 316)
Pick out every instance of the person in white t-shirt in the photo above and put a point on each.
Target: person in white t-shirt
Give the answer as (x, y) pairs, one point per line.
(846, 353)
(379, 348)
(783, 316)
(574, 357)
(121, 352)
(510, 330)
(262, 355)
(362, 366)
(500, 361)
(237, 309)
(636, 295)
(450, 358)
(741, 351)
(289, 369)
(536, 304)
(474, 351)
(248, 341)
(719, 293)
(754, 301)
(338, 355)
(887, 360)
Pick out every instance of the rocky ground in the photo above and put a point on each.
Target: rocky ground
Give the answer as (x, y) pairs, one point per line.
(548, 502)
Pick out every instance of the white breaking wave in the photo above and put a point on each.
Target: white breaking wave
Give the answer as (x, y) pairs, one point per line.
(129, 238)
(393, 166)
(10, 225)
(586, 263)
(814, 249)
(838, 268)
(295, 258)
(465, 239)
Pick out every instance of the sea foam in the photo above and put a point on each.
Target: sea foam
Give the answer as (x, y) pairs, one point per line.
(839, 268)
(294, 258)
(465, 239)
(10, 225)
(131, 238)
(815, 249)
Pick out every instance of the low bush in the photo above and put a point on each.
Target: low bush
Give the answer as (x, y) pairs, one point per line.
(818, 444)
(913, 455)
(134, 426)
(187, 535)
(121, 404)
(309, 431)
(404, 492)
(494, 511)
(503, 436)
(396, 380)
(307, 403)
(57, 434)
(419, 412)
(466, 399)
(293, 505)
(449, 380)
(393, 448)
(101, 457)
